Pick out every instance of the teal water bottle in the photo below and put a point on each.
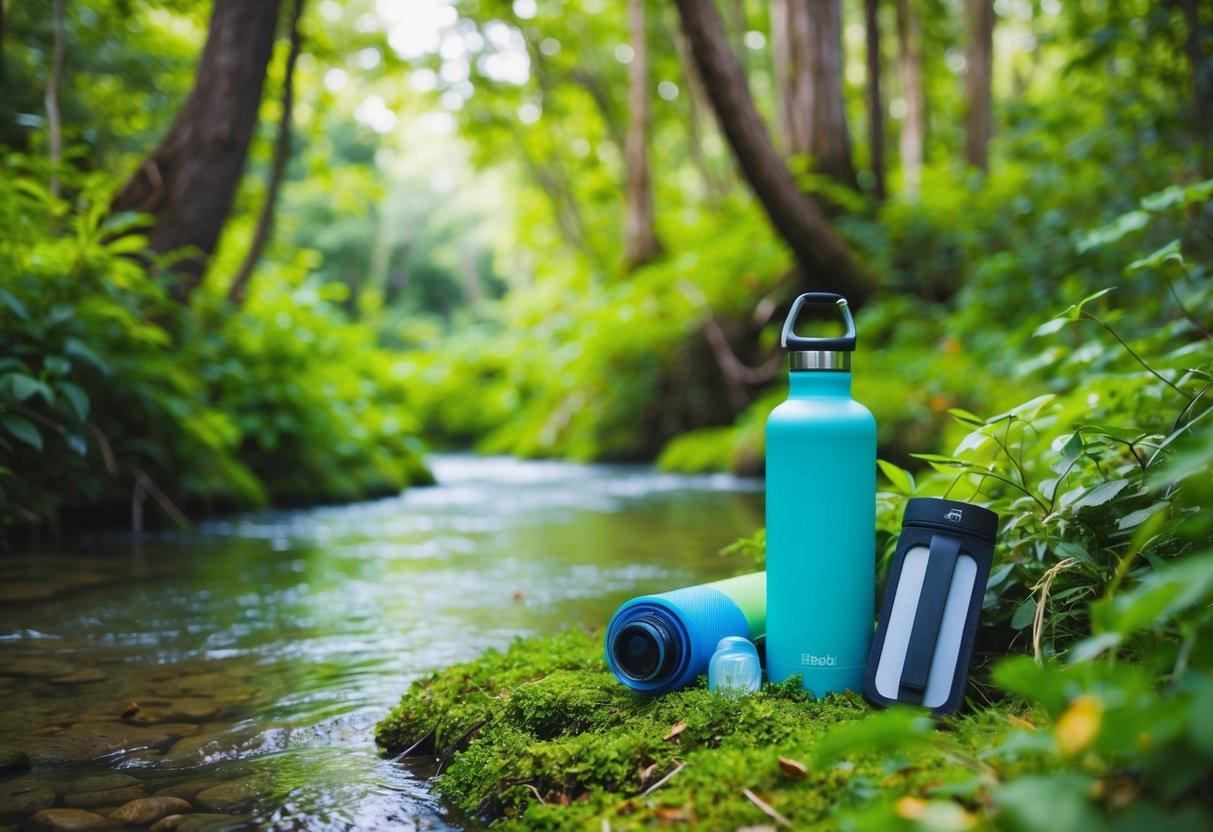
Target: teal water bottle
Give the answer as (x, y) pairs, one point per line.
(821, 515)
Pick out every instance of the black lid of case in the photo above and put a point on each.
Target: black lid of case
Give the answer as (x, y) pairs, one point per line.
(951, 515)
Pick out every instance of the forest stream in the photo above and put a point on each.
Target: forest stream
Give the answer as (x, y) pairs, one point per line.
(241, 666)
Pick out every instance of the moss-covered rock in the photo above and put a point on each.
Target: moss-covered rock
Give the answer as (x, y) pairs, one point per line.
(541, 736)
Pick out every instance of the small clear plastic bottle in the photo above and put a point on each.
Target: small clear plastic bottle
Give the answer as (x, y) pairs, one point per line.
(734, 669)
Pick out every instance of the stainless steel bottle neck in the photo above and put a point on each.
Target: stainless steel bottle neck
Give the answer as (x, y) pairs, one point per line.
(821, 360)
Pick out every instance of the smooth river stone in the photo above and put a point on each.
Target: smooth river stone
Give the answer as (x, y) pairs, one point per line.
(66, 820)
(187, 709)
(199, 822)
(85, 676)
(13, 761)
(232, 794)
(149, 810)
(20, 797)
(109, 797)
(87, 741)
(101, 783)
(36, 668)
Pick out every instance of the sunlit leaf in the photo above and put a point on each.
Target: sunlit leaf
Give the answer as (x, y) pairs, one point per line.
(901, 480)
(1168, 252)
(1118, 228)
(1101, 494)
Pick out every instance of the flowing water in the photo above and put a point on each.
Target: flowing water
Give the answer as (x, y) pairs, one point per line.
(242, 666)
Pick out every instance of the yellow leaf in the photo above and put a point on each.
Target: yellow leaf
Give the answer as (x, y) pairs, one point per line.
(1077, 728)
(911, 808)
(793, 768)
(677, 729)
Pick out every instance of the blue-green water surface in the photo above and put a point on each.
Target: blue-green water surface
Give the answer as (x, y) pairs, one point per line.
(242, 665)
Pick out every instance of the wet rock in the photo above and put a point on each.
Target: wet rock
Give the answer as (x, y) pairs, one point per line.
(188, 789)
(36, 668)
(200, 822)
(24, 796)
(233, 794)
(149, 810)
(13, 761)
(86, 741)
(66, 820)
(81, 677)
(155, 711)
(109, 797)
(101, 783)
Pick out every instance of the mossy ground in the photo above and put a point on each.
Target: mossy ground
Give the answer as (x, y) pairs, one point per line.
(542, 736)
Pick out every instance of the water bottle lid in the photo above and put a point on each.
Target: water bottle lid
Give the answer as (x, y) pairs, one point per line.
(951, 515)
(738, 643)
(798, 343)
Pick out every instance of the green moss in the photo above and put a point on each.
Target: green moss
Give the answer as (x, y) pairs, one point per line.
(541, 736)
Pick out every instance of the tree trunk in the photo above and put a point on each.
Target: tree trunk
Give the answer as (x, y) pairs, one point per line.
(1202, 69)
(806, 41)
(825, 259)
(871, 15)
(714, 187)
(913, 134)
(53, 121)
(189, 180)
(979, 53)
(282, 155)
(641, 245)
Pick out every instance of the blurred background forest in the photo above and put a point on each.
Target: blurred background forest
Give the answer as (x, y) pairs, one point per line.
(260, 253)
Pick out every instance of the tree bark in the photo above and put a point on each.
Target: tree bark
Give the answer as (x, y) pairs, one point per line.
(912, 138)
(824, 258)
(282, 155)
(979, 54)
(189, 181)
(871, 18)
(806, 41)
(1202, 69)
(641, 244)
(53, 121)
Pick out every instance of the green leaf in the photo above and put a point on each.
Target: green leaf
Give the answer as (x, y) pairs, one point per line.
(1158, 258)
(1026, 411)
(1024, 614)
(1070, 549)
(1050, 327)
(901, 480)
(76, 397)
(21, 386)
(1101, 494)
(17, 307)
(57, 365)
(1177, 197)
(965, 417)
(1074, 312)
(21, 428)
(1136, 518)
(1056, 802)
(77, 443)
(946, 461)
(1118, 228)
(1093, 647)
(78, 349)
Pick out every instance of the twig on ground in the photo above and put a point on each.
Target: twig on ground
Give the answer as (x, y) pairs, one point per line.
(766, 808)
(664, 780)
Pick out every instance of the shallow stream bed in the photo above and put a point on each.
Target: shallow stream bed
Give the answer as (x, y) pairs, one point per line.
(240, 667)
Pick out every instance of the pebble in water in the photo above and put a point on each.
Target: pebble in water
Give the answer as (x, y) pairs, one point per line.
(108, 797)
(149, 810)
(66, 820)
(234, 794)
(200, 822)
(23, 796)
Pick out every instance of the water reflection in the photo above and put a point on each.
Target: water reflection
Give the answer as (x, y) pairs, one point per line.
(242, 666)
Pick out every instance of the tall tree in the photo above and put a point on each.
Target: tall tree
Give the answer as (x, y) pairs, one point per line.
(1202, 67)
(53, 121)
(871, 21)
(188, 181)
(913, 135)
(979, 60)
(641, 244)
(282, 154)
(806, 41)
(824, 258)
